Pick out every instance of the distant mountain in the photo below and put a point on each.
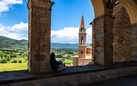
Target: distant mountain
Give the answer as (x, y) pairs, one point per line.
(9, 43)
(12, 43)
(65, 46)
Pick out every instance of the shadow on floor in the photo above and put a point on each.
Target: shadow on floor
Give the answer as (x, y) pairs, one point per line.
(123, 81)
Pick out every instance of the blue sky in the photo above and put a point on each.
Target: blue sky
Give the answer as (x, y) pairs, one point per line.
(66, 18)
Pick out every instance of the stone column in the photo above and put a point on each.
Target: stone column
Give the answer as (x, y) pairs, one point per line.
(103, 39)
(39, 35)
(134, 42)
(108, 40)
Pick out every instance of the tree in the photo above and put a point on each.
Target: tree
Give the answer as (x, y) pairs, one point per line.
(13, 55)
(14, 61)
(3, 61)
(59, 56)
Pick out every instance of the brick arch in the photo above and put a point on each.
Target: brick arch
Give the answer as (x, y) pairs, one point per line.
(103, 29)
(98, 6)
(131, 7)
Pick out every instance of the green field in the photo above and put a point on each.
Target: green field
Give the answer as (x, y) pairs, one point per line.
(13, 67)
(67, 61)
(13, 64)
(15, 61)
(21, 66)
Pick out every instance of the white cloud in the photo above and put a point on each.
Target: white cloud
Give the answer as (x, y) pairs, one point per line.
(20, 27)
(68, 35)
(14, 32)
(5, 5)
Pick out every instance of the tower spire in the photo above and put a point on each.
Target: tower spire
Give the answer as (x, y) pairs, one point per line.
(82, 25)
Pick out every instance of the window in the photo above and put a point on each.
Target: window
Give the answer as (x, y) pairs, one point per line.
(82, 40)
(81, 52)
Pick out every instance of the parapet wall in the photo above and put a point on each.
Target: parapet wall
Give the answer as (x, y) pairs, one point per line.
(72, 76)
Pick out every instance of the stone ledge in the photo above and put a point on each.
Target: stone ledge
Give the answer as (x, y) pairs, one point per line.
(70, 76)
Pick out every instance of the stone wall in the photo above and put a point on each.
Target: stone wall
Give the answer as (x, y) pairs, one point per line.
(121, 35)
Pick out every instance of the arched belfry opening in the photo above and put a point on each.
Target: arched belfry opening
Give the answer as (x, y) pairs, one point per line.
(82, 40)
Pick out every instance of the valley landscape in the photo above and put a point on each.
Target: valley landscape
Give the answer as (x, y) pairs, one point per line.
(14, 53)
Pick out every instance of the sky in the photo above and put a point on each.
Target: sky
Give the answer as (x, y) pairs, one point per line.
(65, 22)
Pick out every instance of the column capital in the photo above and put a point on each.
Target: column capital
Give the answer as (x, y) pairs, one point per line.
(40, 4)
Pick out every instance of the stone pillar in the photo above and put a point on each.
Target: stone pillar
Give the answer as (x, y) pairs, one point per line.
(103, 39)
(108, 40)
(39, 35)
(134, 42)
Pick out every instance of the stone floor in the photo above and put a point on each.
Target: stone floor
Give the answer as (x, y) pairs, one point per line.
(123, 81)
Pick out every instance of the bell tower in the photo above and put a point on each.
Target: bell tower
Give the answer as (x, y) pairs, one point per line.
(82, 42)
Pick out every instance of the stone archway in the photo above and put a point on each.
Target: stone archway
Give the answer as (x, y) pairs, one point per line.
(131, 7)
(39, 32)
(99, 9)
(103, 25)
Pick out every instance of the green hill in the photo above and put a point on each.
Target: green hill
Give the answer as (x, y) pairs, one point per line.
(65, 46)
(7, 43)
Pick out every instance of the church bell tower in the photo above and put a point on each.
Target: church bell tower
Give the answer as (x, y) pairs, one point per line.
(82, 42)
